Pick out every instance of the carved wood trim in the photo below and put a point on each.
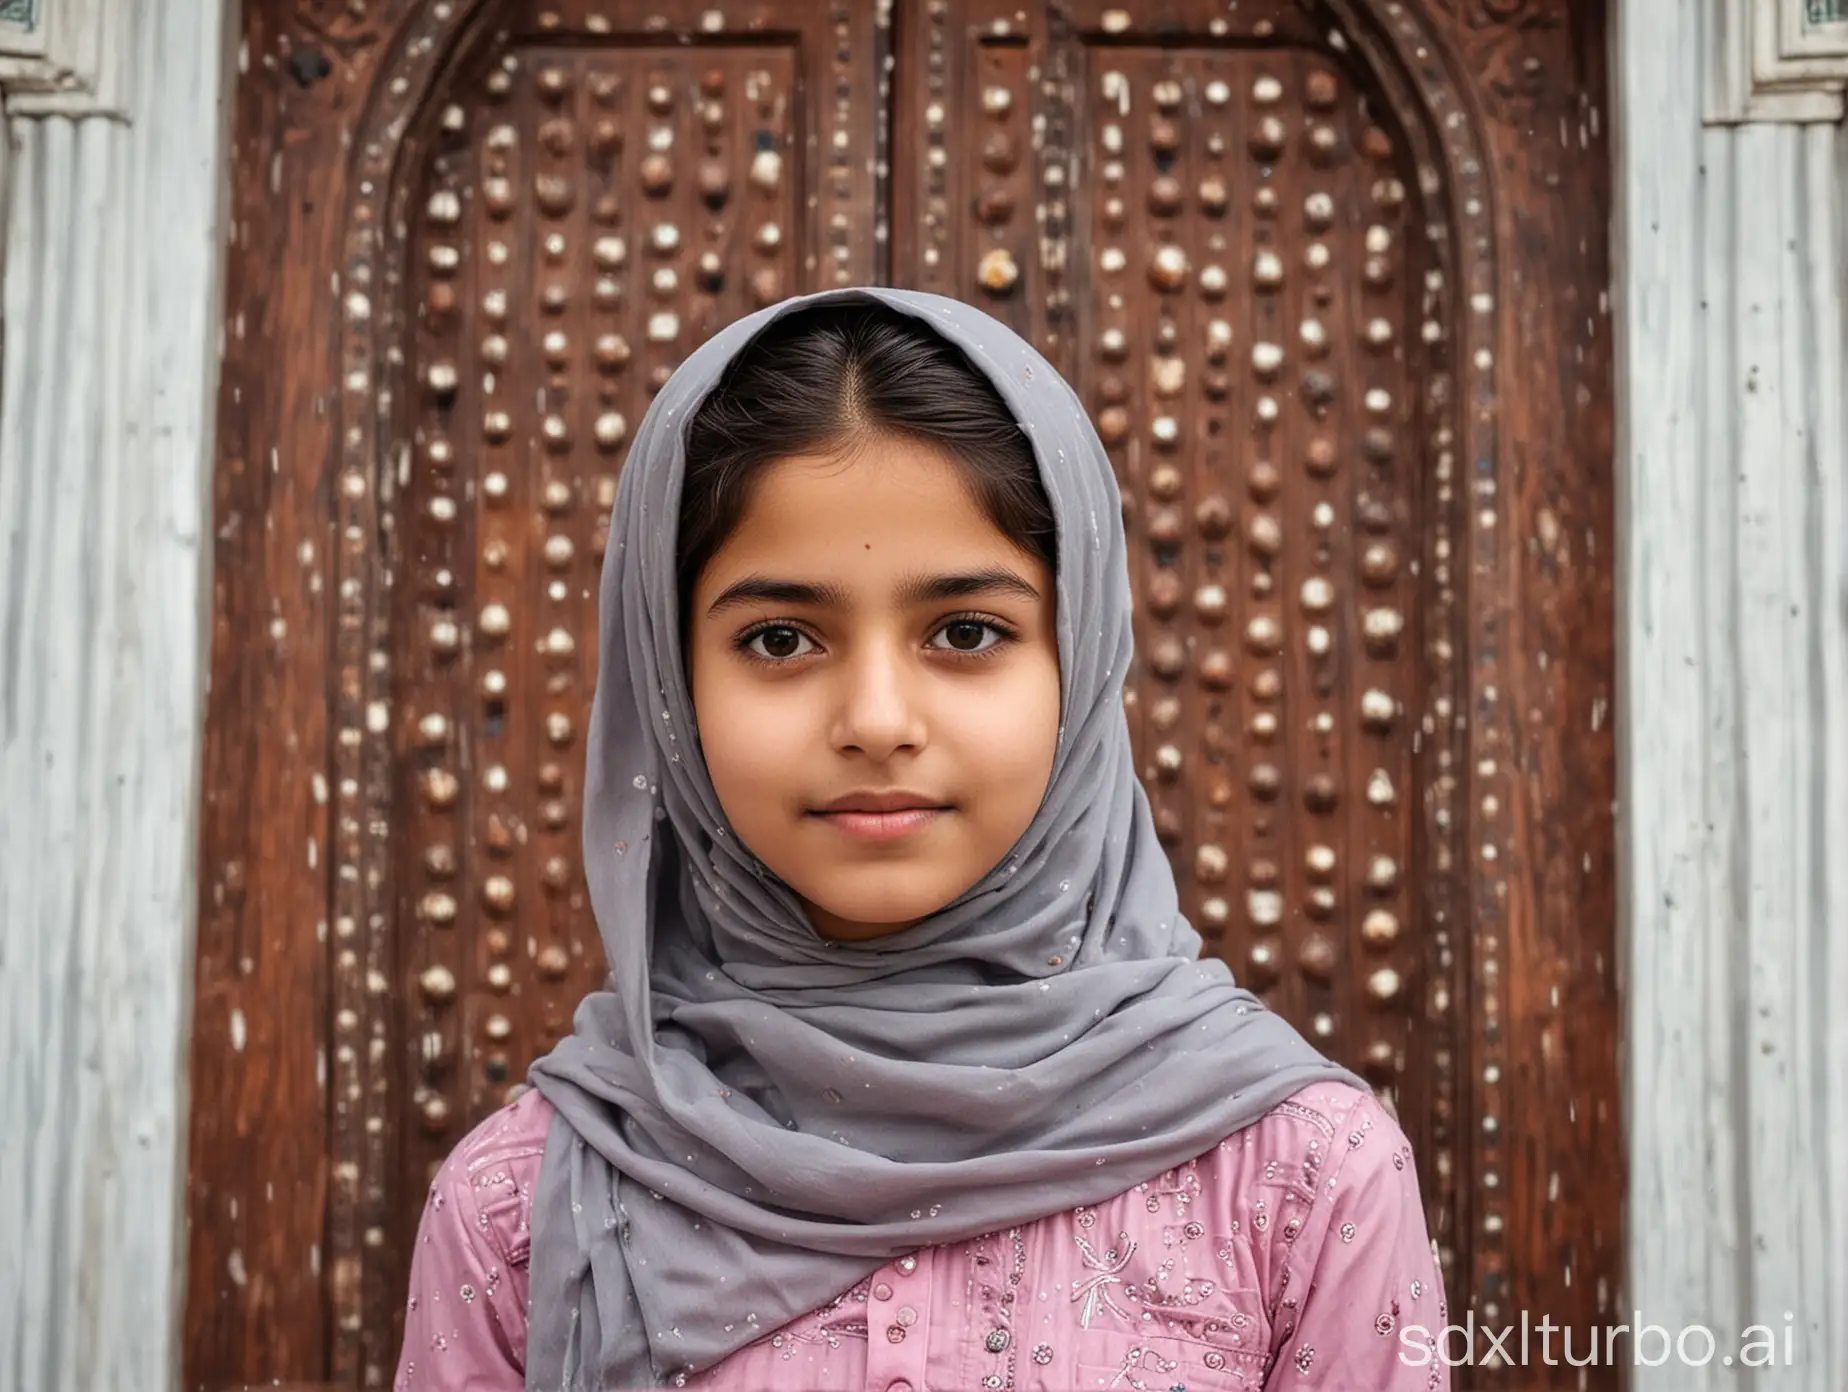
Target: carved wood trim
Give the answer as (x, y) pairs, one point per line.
(1469, 770)
(372, 380)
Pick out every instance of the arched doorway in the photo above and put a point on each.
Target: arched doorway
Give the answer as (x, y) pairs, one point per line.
(1328, 277)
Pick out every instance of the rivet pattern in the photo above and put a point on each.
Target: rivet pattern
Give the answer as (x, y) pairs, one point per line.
(1251, 377)
(627, 176)
(517, 278)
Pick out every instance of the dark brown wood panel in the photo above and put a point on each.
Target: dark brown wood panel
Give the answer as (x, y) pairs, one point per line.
(586, 214)
(527, 215)
(1274, 246)
(1330, 283)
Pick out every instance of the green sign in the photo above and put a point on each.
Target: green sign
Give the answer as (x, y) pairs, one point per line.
(22, 14)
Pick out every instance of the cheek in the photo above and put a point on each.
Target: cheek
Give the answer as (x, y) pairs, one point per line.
(1014, 744)
(747, 743)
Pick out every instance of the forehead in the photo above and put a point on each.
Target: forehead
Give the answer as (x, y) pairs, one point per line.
(888, 501)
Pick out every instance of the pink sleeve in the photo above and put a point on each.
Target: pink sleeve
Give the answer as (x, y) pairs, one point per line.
(1363, 1300)
(465, 1321)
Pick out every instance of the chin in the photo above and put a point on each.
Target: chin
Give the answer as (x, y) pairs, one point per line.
(886, 910)
(884, 906)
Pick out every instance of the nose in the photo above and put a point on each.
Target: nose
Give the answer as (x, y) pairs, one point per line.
(878, 714)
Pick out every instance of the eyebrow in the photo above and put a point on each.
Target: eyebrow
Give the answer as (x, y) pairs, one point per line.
(921, 589)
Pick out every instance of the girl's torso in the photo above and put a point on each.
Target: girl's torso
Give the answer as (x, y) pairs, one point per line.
(1292, 1254)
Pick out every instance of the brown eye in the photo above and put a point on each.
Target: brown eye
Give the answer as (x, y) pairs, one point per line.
(969, 635)
(965, 635)
(776, 643)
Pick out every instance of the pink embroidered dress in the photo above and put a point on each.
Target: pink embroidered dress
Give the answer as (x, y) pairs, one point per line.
(1292, 1255)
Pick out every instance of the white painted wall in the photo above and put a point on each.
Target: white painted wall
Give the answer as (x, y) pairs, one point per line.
(1733, 656)
(112, 272)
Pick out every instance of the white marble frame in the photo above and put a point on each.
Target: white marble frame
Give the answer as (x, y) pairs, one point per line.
(71, 64)
(1772, 64)
(1732, 590)
(113, 260)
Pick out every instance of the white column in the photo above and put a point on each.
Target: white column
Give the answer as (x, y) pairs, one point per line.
(1732, 472)
(111, 294)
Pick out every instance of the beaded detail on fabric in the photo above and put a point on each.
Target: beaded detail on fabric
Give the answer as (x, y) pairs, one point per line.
(999, 1304)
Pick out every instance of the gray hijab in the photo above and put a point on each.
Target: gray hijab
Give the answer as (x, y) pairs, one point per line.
(751, 1118)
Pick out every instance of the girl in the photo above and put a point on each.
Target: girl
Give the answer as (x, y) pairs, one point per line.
(908, 1074)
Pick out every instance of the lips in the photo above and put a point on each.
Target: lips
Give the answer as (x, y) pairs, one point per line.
(881, 816)
(893, 800)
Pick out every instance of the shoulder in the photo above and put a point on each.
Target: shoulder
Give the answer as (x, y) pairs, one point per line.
(1343, 1189)
(1304, 1169)
(1356, 1263)
(1302, 1137)
(1323, 1109)
(465, 1319)
(1364, 1143)
(1268, 1185)
(1331, 1141)
(1370, 1183)
(487, 1181)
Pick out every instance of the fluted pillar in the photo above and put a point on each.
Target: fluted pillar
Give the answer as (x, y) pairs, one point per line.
(1733, 575)
(110, 358)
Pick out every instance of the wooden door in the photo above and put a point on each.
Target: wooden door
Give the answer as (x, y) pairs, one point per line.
(1330, 277)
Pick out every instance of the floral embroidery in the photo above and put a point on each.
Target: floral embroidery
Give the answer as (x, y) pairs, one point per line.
(1144, 1360)
(1225, 1252)
(1306, 1114)
(1181, 1184)
(1155, 1291)
(1094, 1291)
(1305, 1355)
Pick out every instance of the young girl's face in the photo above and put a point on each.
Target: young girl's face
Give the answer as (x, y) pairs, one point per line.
(875, 673)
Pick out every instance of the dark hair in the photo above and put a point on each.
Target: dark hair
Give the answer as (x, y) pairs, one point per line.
(822, 378)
